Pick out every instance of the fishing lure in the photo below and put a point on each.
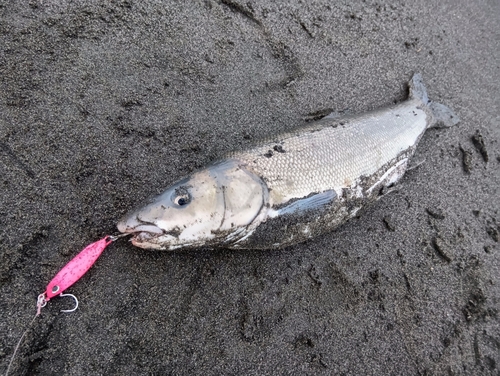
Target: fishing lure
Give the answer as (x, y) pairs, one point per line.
(72, 272)
(67, 276)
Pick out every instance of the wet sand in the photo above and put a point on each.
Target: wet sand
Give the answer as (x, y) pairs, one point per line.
(102, 106)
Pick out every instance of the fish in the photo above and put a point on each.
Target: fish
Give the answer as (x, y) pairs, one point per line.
(292, 187)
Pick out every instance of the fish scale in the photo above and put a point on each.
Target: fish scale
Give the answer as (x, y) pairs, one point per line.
(336, 156)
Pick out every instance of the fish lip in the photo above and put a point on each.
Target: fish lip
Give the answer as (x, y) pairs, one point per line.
(134, 224)
(142, 231)
(143, 236)
(147, 240)
(146, 233)
(145, 244)
(146, 228)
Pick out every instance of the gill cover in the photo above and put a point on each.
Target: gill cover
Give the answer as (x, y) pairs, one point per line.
(208, 205)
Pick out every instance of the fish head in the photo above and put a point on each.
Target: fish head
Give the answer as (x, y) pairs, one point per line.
(212, 207)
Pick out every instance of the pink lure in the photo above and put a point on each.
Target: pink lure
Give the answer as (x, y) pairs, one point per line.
(76, 268)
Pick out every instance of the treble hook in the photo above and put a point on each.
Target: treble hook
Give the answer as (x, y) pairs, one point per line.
(70, 310)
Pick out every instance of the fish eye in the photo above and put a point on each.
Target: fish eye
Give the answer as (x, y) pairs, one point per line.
(181, 197)
(182, 200)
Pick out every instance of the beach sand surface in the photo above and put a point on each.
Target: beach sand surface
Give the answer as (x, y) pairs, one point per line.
(104, 104)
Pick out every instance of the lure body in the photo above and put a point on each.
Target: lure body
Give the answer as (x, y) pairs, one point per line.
(76, 268)
(297, 186)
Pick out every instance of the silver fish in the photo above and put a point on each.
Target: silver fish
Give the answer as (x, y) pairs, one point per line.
(301, 184)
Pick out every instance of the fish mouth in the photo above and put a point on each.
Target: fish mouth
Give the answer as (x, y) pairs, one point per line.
(143, 232)
(143, 236)
(150, 238)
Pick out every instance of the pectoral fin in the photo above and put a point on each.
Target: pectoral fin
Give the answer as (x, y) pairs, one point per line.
(317, 201)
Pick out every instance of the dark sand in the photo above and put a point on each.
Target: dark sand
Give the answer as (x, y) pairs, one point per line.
(104, 105)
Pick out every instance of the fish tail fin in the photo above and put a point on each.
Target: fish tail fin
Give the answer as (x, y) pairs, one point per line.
(443, 116)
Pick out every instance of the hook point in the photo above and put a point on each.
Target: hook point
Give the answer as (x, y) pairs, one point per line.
(76, 303)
